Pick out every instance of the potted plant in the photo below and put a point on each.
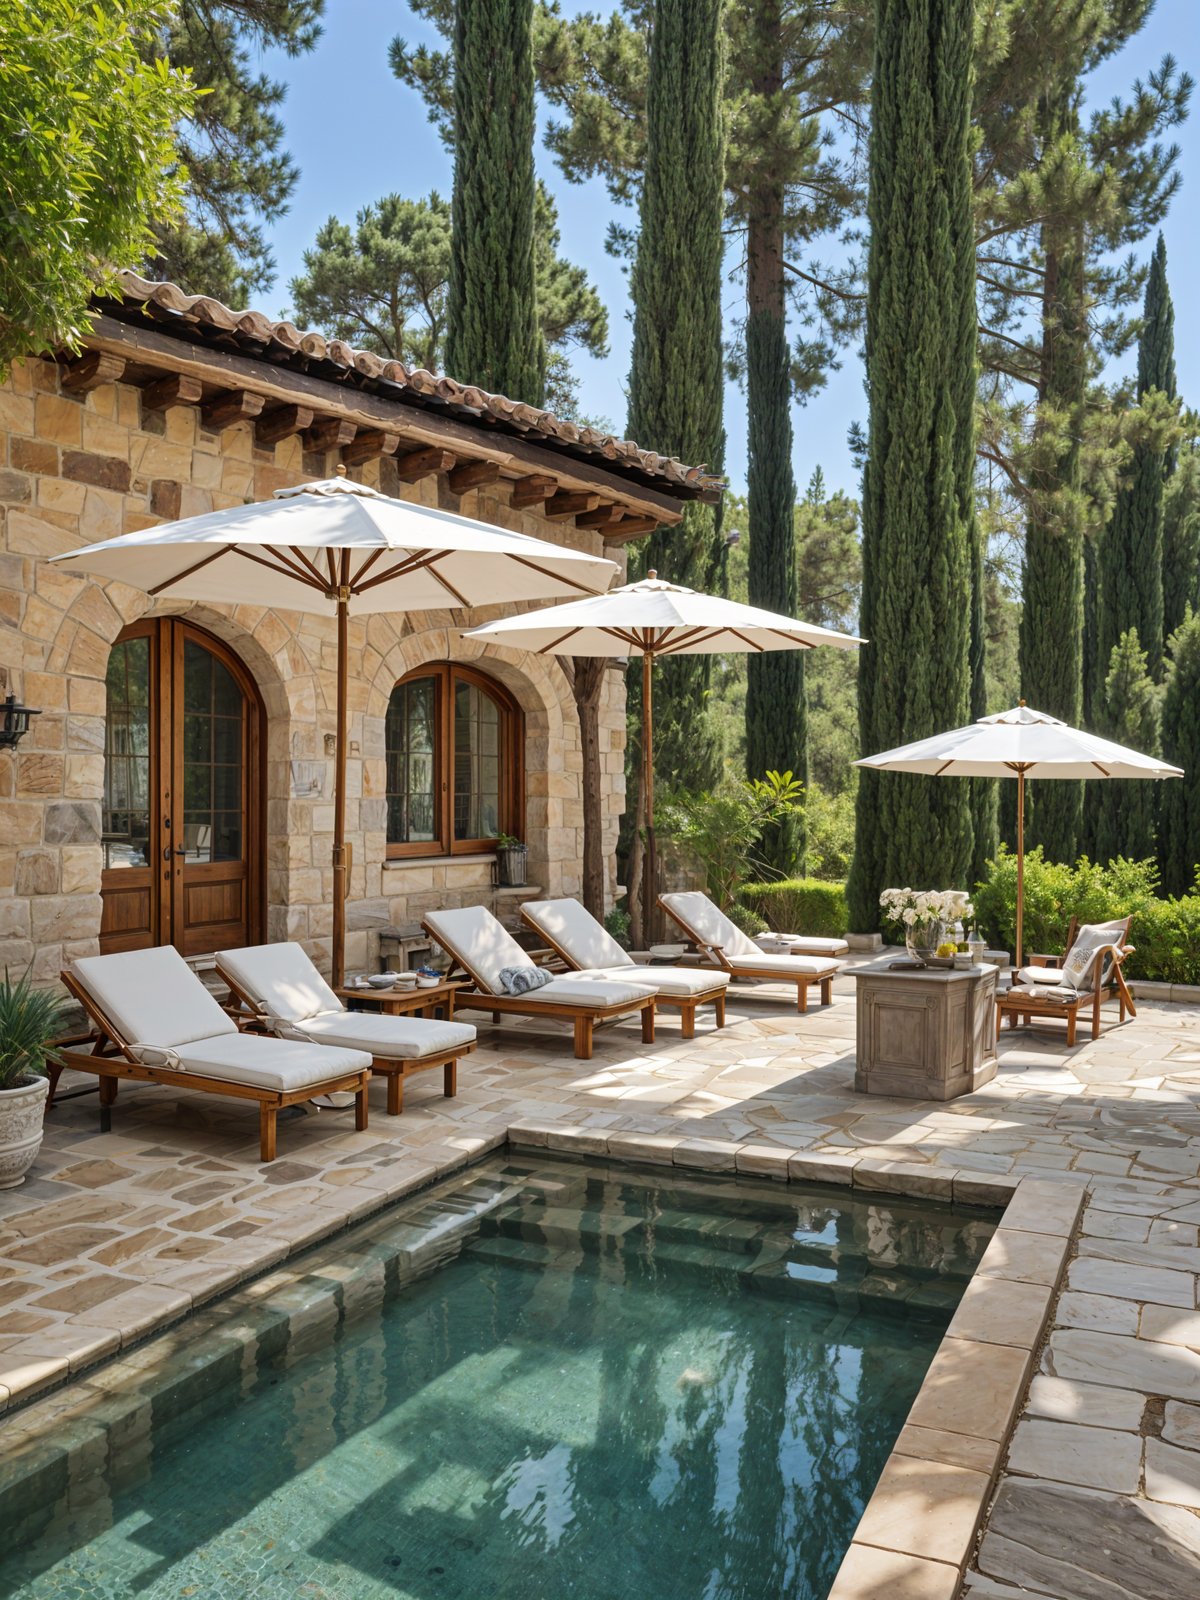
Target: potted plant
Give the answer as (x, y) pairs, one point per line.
(514, 861)
(30, 1020)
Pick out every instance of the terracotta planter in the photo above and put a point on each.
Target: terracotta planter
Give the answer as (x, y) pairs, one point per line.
(21, 1112)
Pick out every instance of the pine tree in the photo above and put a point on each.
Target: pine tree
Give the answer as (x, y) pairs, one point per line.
(1181, 539)
(676, 374)
(492, 334)
(1130, 712)
(915, 672)
(1179, 798)
(1131, 549)
(238, 175)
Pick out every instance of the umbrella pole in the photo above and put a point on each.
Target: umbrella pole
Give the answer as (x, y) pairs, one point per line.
(1020, 864)
(339, 781)
(649, 863)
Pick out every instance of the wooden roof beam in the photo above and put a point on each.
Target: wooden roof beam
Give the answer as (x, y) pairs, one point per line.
(176, 389)
(472, 475)
(368, 444)
(532, 490)
(93, 368)
(418, 464)
(627, 528)
(329, 433)
(282, 422)
(234, 405)
(599, 518)
(567, 504)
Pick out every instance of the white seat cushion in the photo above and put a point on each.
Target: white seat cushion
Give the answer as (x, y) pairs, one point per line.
(399, 1038)
(783, 966)
(678, 981)
(798, 944)
(575, 931)
(575, 989)
(479, 943)
(152, 997)
(707, 924)
(1043, 977)
(282, 1065)
(280, 979)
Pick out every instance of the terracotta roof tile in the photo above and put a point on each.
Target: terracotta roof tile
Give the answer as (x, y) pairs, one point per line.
(282, 344)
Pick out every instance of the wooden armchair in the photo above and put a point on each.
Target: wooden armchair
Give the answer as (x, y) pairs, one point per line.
(1081, 978)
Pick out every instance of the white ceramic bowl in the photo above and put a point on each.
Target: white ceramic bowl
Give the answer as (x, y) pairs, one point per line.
(427, 983)
(382, 980)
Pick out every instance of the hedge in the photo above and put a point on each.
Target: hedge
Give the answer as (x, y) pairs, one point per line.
(799, 905)
(1165, 933)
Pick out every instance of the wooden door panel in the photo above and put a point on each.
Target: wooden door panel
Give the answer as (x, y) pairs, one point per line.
(127, 911)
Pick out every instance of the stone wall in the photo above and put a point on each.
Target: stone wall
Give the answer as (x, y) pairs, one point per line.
(78, 469)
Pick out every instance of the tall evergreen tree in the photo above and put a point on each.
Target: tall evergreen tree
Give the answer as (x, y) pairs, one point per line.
(776, 722)
(1179, 799)
(676, 375)
(492, 333)
(1131, 548)
(1130, 709)
(915, 672)
(1181, 539)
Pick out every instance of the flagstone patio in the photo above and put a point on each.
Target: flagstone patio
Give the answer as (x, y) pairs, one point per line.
(118, 1234)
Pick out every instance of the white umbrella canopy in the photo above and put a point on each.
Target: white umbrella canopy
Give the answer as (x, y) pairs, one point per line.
(331, 545)
(1018, 744)
(654, 618)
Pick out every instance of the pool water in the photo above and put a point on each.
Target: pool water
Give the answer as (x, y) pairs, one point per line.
(573, 1380)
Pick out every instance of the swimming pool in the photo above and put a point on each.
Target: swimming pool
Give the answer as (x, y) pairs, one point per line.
(539, 1379)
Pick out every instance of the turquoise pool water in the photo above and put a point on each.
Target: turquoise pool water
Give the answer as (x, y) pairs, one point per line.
(541, 1380)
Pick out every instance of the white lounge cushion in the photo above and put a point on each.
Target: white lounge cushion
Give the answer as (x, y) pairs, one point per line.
(798, 944)
(152, 997)
(280, 979)
(575, 989)
(278, 1064)
(1092, 936)
(399, 1038)
(707, 924)
(783, 966)
(677, 981)
(479, 943)
(1043, 977)
(576, 932)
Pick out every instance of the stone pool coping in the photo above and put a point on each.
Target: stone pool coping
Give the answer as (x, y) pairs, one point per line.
(922, 1523)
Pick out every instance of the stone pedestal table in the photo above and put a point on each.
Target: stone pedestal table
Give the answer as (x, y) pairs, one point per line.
(926, 1034)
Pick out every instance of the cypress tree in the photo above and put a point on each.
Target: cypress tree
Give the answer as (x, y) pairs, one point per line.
(1181, 540)
(1131, 551)
(915, 673)
(676, 378)
(1125, 811)
(1051, 639)
(776, 719)
(492, 333)
(1179, 799)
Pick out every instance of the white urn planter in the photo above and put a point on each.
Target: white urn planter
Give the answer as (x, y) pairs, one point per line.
(21, 1113)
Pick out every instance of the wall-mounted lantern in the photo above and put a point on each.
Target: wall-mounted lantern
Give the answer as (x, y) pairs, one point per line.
(14, 724)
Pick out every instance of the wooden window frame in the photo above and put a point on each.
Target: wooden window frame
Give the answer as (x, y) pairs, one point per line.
(512, 765)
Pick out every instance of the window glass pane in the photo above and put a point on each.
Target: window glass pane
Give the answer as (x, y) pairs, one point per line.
(213, 771)
(126, 814)
(197, 677)
(476, 763)
(410, 739)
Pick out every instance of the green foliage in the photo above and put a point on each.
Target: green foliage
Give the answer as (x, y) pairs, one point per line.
(238, 175)
(800, 905)
(30, 1020)
(918, 519)
(1131, 549)
(744, 918)
(1056, 892)
(1179, 798)
(1166, 939)
(616, 924)
(1129, 714)
(492, 335)
(1181, 538)
(383, 286)
(722, 827)
(829, 819)
(86, 159)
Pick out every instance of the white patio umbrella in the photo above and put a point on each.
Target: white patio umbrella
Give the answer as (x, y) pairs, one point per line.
(654, 618)
(1019, 743)
(325, 545)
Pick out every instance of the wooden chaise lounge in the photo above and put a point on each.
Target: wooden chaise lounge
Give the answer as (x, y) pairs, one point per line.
(733, 952)
(154, 1020)
(282, 993)
(586, 945)
(1086, 975)
(477, 942)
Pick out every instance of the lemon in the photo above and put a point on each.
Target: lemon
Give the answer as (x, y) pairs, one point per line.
(945, 949)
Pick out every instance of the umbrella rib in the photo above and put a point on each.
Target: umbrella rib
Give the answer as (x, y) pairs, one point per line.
(557, 576)
(446, 584)
(308, 565)
(180, 576)
(691, 636)
(1103, 771)
(401, 570)
(945, 767)
(801, 644)
(547, 648)
(367, 565)
(280, 566)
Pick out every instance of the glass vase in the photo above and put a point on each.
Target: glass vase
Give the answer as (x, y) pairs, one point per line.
(921, 939)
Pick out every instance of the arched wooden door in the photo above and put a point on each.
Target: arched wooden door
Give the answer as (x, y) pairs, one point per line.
(183, 793)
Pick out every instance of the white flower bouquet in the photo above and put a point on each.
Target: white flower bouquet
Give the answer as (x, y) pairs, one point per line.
(912, 906)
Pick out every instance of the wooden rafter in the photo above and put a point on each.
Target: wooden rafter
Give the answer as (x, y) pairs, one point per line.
(532, 490)
(569, 503)
(418, 464)
(235, 405)
(368, 444)
(472, 475)
(282, 422)
(176, 389)
(92, 369)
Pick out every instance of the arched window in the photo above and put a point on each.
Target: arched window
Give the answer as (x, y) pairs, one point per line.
(454, 782)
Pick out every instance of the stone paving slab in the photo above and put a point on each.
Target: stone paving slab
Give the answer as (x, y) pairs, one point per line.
(120, 1234)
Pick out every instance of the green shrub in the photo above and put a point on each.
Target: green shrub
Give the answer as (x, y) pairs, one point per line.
(1054, 893)
(1166, 940)
(748, 921)
(829, 819)
(722, 829)
(800, 905)
(616, 924)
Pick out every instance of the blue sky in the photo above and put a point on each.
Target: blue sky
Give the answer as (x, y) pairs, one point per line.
(356, 134)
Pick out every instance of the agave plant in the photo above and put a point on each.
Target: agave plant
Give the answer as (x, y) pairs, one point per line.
(30, 1020)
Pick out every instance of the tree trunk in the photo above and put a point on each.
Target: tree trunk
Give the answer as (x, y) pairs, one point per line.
(586, 677)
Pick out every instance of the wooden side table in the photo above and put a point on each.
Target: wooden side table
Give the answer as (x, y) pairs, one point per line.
(926, 1034)
(409, 1002)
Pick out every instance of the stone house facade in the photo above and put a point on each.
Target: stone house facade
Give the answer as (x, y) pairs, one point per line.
(178, 406)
